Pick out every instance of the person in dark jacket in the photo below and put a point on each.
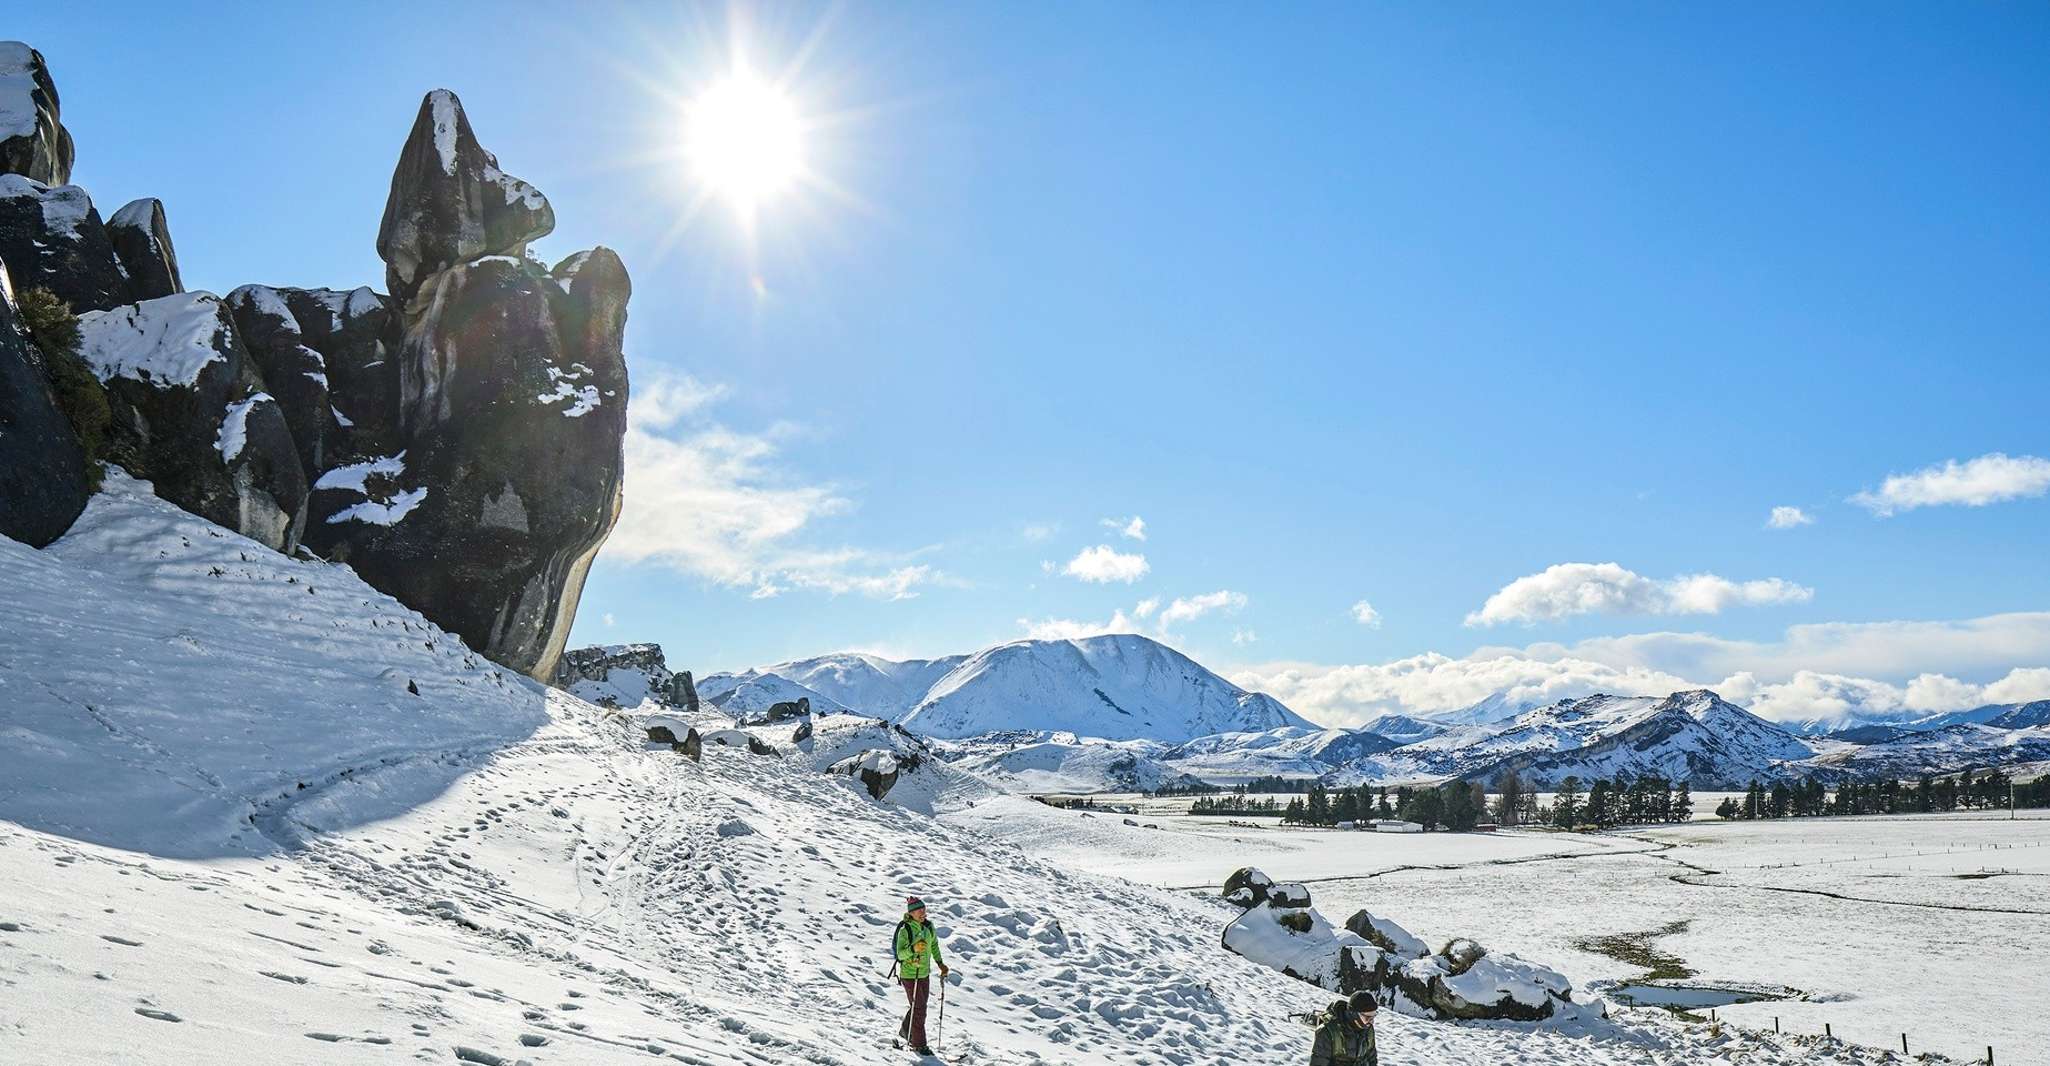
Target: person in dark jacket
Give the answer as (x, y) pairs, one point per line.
(1346, 1035)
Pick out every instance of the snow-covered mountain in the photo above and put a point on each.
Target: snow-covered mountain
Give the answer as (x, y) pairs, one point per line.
(1404, 729)
(1289, 751)
(1696, 736)
(2022, 716)
(741, 695)
(885, 688)
(1948, 750)
(1042, 763)
(1117, 687)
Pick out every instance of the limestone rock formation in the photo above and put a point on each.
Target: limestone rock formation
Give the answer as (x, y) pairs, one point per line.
(877, 769)
(42, 466)
(33, 142)
(142, 244)
(191, 415)
(51, 237)
(450, 203)
(504, 477)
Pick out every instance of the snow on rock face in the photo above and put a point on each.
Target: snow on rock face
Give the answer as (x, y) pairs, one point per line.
(51, 237)
(33, 140)
(42, 465)
(187, 415)
(1118, 687)
(450, 203)
(142, 245)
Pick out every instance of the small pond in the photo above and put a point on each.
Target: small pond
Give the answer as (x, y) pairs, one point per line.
(1690, 997)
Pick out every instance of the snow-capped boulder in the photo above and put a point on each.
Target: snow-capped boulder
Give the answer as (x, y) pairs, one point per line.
(1280, 930)
(626, 675)
(450, 203)
(784, 711)
(1386, 935)
(739, 738)
(33, 142)
(42, 466)
(1247, 887)
(1465, 981)
(142, 245)
(191, 415)
(51, 237)
(876, 768)
(293, 373)
(681, 737)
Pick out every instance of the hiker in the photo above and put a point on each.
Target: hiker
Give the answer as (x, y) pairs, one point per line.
(918, 951)
(1346, 1035)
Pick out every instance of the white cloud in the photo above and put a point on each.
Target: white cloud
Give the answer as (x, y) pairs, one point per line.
(1244, 636)
(2025, 685)
(1568, 589)
(1039, 531)
(1990, 478)
(714, 503)
(1433, 683)
(1147, 606)
(1072, 629)
(1190, 608)
(1789, 518)
(1133, 528)
(1814, 672)
(1103, 564)
(609, 620)
(1365, 614)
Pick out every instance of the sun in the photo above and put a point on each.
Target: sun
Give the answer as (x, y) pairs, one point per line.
(743, 140)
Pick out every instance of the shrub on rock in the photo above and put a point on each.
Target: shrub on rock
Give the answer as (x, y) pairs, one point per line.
(45, 478)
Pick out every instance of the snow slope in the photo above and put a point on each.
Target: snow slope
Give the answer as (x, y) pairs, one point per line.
(1117, 687)
(870, 684)
(490, 871)
(741, 696)
(1043, 763)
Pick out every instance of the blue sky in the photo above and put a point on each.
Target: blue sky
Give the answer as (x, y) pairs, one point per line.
(1348, 303)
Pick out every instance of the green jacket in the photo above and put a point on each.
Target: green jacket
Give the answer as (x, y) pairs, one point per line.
(1340, 1043)
(918, 948)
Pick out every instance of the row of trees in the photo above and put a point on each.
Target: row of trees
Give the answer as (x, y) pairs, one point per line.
(1992, 790)
(1464, 804)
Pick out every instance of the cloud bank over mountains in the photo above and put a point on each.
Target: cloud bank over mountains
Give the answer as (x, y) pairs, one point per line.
(1812, 672)
(1567, 589)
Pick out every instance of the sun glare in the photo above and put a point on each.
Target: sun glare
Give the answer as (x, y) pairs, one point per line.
(743, 140)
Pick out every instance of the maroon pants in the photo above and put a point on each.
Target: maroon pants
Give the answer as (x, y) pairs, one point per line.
(916, 990)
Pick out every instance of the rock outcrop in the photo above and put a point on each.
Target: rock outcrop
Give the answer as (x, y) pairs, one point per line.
(450, 203)
(459, 443)
(192, 417)
(1464, 981)
(142, 244)
(51, 237)
(33, 142)
(626, 676)
(43, 484)
(876, 769)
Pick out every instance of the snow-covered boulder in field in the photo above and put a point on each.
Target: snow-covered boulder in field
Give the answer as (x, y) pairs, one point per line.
(450, 203)
(511, 405)
(42, 465)
(33, 140)
(142, 245)
(191, 415)
(681, 737)
(1247, 887)
(739, 738)
(1465, 981)
(876, 768)
(1280, 929)
(51, 237)
(1386, 935)
(626, 676)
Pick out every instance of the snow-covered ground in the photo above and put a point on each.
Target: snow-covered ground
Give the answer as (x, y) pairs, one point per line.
(1929, 925)
(253, 811)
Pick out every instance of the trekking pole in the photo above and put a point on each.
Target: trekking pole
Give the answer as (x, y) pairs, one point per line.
(940, 1030)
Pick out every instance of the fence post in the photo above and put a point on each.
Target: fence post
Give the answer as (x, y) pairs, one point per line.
(1904, 1043)
(1827, 1032)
